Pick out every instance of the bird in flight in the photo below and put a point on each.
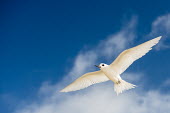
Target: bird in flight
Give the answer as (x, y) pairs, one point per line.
(114, 70)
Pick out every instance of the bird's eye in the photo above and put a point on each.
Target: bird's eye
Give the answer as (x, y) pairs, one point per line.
(102, 64)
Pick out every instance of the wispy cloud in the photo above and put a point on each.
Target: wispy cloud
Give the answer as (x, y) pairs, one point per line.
(166, 83)
(161, 27)
(99, 98)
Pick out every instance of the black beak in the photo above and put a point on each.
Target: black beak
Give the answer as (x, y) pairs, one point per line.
(97, 66)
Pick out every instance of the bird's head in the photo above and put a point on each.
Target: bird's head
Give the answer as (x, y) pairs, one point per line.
(102, 65)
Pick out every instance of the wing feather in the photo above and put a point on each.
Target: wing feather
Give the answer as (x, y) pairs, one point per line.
(127, 57)
(86, 80)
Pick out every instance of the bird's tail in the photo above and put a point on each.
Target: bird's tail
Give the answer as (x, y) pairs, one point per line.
(122, 86)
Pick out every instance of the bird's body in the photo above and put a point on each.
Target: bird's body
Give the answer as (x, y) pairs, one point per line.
(110, 73)
(113, 75)
(114, 70)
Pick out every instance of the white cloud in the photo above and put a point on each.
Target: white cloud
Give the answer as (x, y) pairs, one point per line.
(99, 98)
(117, 42)
(161, 27)
(82, 62)
(166, 83)
(102, 100)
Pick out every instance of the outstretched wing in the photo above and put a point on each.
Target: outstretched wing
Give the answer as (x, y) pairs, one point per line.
(86, 80)
(127, 57)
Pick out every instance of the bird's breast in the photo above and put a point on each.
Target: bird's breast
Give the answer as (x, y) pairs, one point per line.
(111, 74)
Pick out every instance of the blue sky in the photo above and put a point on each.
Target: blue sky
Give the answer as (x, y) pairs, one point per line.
(43, 40)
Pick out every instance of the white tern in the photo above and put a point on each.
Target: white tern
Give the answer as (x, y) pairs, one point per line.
(114, 70)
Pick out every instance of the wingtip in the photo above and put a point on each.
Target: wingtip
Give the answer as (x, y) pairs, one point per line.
(159, 37)
(62, 91)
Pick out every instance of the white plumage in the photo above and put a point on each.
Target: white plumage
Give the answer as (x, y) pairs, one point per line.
(113, 71)
(127, 57)
(86, 80)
